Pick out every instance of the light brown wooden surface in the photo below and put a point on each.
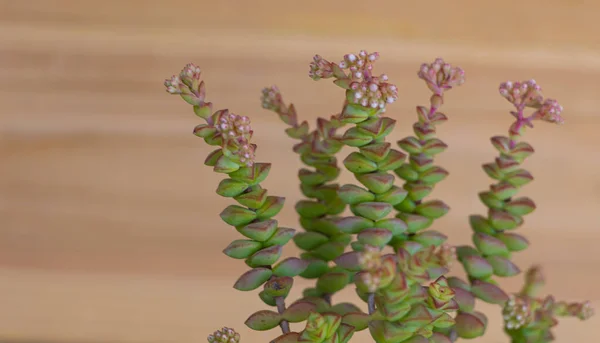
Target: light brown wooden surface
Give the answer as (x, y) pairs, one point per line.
(108, 218)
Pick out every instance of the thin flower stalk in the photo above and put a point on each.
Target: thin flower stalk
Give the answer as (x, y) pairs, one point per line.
(421, 174)
(253, 216)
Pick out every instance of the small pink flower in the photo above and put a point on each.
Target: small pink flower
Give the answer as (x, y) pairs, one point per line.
(550, 111)
(190, 73)
(522, 94)
(440, 75)
(174, 85)
(272, 99)
(516, 313)
(320, 68)
(236, 132)
(370, 258)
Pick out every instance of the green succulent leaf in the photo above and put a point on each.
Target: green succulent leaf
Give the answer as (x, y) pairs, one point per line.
(513, 241)
(263, 320)
(464, 299)
(372, 210)
(242, 248)
(376, 152)
(235, 215)
(395, 225)
(477, 266)
(503, 266)
(291, 266)
(231, 188)
(407, 172)
(333, 282)
(290, 337)
(311, 209)
(433, 175)
(281, 236)
(392, 161)
(259, 231)
(252, 175)
(357, 163)
(298, 311)
(377, 183)
(410, 145)
(415, 222)
(315, 268)
(252, 279)
(265, 257)
(270, 208)
(310, 240)
(488, 292)
(351, 194)
(352, 224)
(432, 209)
(358, 320)
(279, 286)
(489, 245)
(393, 196)
(469, 325)
(520, 206)
(429, 238)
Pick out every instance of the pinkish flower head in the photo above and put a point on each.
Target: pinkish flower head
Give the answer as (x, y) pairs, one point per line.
(585, 311)
(446, 254)
(368, 90)
(440, 75)
(236, 132)
(516, 313)
(320, 68)
(233, 127)
(550, 111)
(174, 85)
(191, 73)
(272, 99)
(370, 258)
(522, 94)
(225, 335)
(373, 91)
(357, 64)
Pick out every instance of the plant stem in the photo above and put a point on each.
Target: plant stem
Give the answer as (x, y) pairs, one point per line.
(371, 303)
(327, 298)
(285, 326)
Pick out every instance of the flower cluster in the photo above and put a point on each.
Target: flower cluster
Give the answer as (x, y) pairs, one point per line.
(272, 99)
(225, 335)
(550, 111)
(371, 264)
(186, 79)
(445, 255)
(320, 68)
(370, 258)
(522, 94)
(174, 85)
(516, 313)
(440, 75)
(236, 132)
(368, 90)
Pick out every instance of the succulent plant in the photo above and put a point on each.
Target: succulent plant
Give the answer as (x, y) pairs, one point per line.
(374, 233)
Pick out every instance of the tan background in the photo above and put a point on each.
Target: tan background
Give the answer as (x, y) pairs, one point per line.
(108, 226)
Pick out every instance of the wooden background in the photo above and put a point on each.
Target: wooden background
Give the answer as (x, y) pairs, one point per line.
(108, 227)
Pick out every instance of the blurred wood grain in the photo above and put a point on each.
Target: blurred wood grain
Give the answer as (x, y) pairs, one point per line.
(109, 227)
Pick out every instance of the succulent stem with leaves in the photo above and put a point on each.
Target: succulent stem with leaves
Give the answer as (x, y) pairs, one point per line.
(420, 174)
(322, 241)
(253, 217)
